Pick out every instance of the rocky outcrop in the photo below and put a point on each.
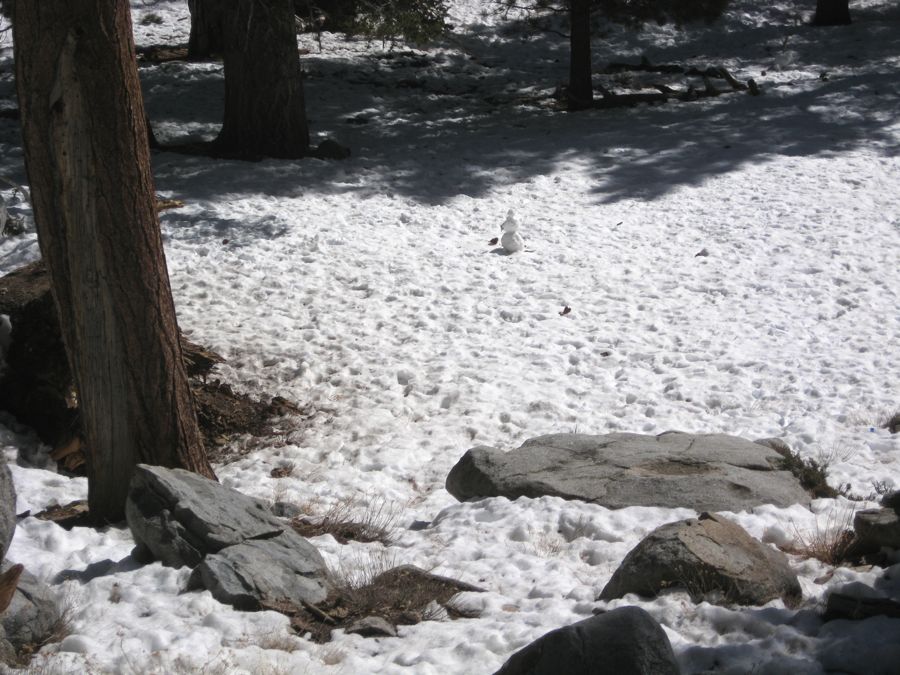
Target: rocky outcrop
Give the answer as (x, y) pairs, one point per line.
(181, 516)
(242, 554)
(711, 558)
(624, 641)
(705, 472)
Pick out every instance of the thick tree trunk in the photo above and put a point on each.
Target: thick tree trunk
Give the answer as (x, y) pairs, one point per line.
(206, 29)
(264, 108)
(88, 165)
(832, 13)
(580, 95)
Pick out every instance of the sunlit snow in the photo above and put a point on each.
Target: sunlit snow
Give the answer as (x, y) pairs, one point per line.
(368, 290)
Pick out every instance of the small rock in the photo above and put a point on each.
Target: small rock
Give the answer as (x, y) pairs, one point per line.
(372, 626)
(329, 149)
(703, 253)
(286, 510)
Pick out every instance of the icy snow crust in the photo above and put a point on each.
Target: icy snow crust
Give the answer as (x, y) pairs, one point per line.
(367, 289)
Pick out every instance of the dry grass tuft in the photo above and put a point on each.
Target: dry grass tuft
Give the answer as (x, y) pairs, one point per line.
(812, 474)
(886, 418)
(401, 595)
(830, 542)
(350, 519)
(283, 470)
(58, 630)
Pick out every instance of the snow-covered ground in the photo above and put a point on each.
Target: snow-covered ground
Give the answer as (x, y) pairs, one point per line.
(367, 290)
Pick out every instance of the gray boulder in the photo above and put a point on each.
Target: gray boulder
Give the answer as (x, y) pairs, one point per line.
(624, 641)
(181, 516)
(264, 572)
(705, 472)
(7, 508)
(876, 529)
(710, 557)
(33, 614)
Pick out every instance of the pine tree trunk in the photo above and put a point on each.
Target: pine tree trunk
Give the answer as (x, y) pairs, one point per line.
(88, 166)
(580, 94)
(206, 29)
(265, 113)
(832, 13)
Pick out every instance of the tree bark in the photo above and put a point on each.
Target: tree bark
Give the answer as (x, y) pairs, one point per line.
(88, 165)
(265, 113)
(206, 29)
(832, 13)
(580, 94)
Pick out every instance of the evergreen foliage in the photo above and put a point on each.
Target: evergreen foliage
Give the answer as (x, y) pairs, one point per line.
(416, 21)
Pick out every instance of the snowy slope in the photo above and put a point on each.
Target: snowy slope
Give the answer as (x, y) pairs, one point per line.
(367, 289)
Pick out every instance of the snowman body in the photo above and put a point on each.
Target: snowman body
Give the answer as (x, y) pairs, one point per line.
(511, 241)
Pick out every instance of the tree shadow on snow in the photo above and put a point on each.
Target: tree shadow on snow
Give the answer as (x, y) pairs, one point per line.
(470, 120)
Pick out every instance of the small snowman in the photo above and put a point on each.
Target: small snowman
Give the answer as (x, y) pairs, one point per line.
(511, 241)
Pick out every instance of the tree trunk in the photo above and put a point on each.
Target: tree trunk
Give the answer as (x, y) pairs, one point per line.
(206, 29)
(832, 13)
(264, 109)
(88, 165)
(580, 95)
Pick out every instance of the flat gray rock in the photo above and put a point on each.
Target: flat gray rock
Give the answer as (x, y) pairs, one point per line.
(711, 558)
(7, 509)
(704, 472)
(261, 572)
(624, 641)
(181, 516)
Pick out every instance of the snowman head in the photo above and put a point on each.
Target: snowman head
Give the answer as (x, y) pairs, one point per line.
(510, 224)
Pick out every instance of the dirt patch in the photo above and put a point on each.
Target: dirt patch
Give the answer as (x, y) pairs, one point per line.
(67, 516)
(37, 388)
(224, 414)
(402, 596)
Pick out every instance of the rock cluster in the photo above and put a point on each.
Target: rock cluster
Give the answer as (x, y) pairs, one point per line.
(240, 552)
